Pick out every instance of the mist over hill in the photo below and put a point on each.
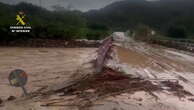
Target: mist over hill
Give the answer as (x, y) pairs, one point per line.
(81, 5)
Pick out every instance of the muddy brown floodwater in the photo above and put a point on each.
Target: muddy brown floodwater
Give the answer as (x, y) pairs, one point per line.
(45, 66)
(136, 76)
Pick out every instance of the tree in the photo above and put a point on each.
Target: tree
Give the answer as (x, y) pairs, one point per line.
(177, 32)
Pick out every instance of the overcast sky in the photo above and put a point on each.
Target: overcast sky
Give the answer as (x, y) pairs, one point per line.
(83, 5)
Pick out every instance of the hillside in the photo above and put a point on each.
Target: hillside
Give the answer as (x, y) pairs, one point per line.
(58, 24)
(169, 17)
(161, 15)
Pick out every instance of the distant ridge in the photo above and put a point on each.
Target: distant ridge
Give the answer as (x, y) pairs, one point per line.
(159, 14)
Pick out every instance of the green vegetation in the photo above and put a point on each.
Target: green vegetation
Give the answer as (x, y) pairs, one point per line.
(58, 24)
(177, 32)
(173, 18)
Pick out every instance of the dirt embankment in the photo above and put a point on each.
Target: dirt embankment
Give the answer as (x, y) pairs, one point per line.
(186, 46)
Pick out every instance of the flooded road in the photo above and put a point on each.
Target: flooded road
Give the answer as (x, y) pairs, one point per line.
(44, 66)
(169, 69)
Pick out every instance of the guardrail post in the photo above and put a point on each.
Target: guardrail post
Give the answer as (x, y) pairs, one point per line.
(102, 53)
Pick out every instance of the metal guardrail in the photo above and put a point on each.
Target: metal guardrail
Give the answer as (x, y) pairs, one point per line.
(102, 53)
(183, 41)
(179, 44)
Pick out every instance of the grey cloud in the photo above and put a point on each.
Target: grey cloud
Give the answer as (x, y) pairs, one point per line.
(83, 5)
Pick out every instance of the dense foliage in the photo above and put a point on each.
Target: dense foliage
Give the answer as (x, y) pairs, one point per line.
(58, 24)
(174, 18)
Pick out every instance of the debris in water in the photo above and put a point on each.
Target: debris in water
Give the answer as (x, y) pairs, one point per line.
(1, 101)
(176, 89)
(191, 99)
(10, 98)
